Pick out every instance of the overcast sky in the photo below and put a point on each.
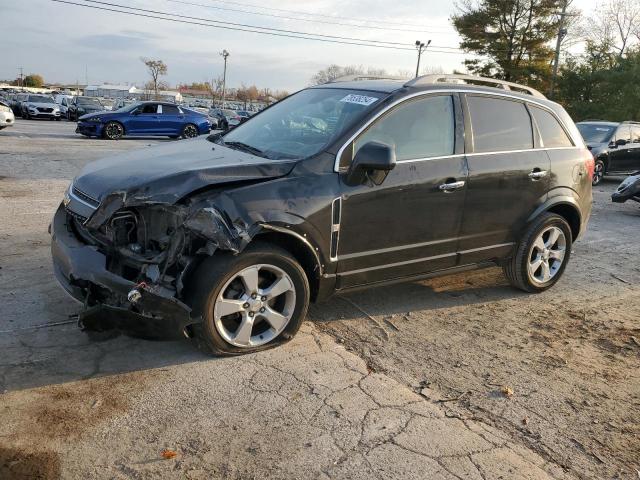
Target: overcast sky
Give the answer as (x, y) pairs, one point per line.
(62, 41)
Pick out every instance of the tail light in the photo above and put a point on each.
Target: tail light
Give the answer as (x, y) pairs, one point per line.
(590, 165)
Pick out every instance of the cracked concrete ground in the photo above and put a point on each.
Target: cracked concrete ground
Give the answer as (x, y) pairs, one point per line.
(359, 407)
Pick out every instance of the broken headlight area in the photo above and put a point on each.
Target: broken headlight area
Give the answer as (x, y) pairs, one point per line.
(158, 245)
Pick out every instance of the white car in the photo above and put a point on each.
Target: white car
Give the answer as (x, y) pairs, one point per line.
(7, 118)
(40, 106)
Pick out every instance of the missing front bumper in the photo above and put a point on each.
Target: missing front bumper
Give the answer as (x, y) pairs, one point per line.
(81, 271)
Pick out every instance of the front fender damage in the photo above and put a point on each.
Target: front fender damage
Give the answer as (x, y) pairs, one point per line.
(155, 247)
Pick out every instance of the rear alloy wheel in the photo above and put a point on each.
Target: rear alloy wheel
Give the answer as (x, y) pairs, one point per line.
(541, 255)
(598, 172)
(113, 131)
(190, 131)
(248, 302)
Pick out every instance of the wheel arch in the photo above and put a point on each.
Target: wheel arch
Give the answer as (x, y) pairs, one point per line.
(301, 249)
(567, 208)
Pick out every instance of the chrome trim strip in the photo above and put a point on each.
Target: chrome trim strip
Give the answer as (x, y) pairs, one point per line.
(366, 253)
(498, 245)
(409, 246)
(424, 259)
(397, 264)
(304, 240)
(71, 194)
(336, 164)
(335, 228)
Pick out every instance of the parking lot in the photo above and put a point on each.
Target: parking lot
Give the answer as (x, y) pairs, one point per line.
(457, 377)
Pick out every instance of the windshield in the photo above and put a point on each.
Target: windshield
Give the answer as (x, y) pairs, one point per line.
(303, 124)
(89, 101)
(40, 99)
(595, 133)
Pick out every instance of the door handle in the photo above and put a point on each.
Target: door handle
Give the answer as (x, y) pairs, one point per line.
(538, 174)
(447, 187)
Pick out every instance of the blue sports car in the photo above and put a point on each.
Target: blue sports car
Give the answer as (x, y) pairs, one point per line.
(147, 119)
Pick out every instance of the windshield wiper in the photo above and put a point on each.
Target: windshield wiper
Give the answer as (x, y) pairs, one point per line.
(246, 148)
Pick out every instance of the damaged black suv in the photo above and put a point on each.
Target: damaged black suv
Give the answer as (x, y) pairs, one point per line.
(346, 185)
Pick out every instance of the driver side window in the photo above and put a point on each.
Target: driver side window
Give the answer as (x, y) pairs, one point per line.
(421, 128)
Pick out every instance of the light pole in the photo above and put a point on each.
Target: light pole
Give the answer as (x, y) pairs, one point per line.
(224, 54)
(421, 47)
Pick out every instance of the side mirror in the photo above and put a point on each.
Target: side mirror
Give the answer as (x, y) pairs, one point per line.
(373, 161)
(135, 112)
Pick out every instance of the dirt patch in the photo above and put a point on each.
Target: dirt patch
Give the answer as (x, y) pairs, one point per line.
(17, 464)
(68, 410)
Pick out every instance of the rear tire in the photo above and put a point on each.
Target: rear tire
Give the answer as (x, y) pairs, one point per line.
(541, 255)
(190, 131)
(265, 320)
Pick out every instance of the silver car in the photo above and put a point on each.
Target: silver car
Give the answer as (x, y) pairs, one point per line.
(7, 118)
(40, 106)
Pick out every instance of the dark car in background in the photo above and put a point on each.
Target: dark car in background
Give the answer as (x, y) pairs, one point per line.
(15, 102)
(225, 117)
(338, 187)
(144, 118)
(615, 146)
(80, 106)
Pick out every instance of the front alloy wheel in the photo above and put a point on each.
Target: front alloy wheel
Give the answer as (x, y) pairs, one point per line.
(247, 302)
(255, 306)
(113, 131)
(190, 131)
(598, 172)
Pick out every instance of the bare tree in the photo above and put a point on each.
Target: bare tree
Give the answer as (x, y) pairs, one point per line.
(615, 25)
(332, 72)
(156, 68)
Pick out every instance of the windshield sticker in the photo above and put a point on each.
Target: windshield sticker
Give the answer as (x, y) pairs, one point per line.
(359, 99)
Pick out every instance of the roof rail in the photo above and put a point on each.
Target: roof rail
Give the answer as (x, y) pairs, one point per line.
(472, 79)
(631, 122)
(355, 78)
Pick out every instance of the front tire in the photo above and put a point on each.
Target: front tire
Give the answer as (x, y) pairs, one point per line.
(113, 131)
(248, 302)
(598, 172)
(541, 255)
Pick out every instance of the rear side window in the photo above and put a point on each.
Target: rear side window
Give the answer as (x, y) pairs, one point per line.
(499, 125)
(170, 110)
(624, 133)
(552, 133)
(417, 129)
(635, 134)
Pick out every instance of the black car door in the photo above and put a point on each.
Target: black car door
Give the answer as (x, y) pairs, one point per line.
(632, 161)
(619, 149)
(508, 177)
(409, 224)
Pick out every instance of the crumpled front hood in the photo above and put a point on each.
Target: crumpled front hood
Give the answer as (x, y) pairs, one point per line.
(167, 173)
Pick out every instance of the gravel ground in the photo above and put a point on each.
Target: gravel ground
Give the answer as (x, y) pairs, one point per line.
(406, 381)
